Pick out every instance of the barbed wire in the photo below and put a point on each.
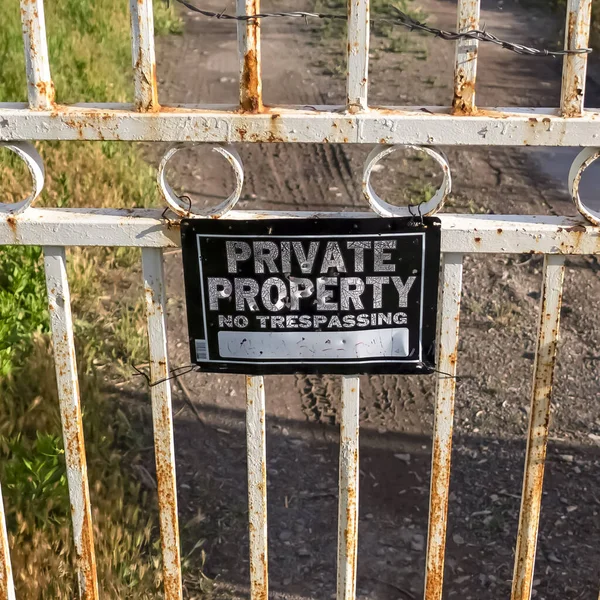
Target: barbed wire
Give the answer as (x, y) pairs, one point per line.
(402, 20)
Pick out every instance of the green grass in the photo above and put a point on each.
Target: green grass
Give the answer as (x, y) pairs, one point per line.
(89, 48)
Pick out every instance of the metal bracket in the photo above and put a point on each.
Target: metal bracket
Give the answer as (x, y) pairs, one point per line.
(583, 160)
(381, 207)
(182, 208)
(35, 164)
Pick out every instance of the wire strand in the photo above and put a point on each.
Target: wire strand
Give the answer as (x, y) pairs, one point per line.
(402, 20)
(175, 373)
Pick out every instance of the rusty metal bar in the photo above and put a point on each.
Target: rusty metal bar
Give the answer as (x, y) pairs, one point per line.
(162, 418)
(539, 417)
(348, 501)
(465, 67)
(419, 125)
(257, 487)
(143, 57)
(61, 323)
(358, 55)
(577, 34)
(478, 234)
(249, 51)
(441, 453)
(40, 89)
(7, 586)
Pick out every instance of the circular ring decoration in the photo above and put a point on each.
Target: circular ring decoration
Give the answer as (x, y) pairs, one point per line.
(583, 160)
(384, 209)
(183, 208)
(35, 164)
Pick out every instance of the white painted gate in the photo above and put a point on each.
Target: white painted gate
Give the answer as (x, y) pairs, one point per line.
(459, 123)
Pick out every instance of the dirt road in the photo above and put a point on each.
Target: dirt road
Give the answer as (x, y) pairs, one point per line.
(495, 362)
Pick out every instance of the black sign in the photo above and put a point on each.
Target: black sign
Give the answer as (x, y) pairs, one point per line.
(312, 296)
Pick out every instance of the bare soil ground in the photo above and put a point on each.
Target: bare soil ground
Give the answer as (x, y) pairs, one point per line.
(498, 330)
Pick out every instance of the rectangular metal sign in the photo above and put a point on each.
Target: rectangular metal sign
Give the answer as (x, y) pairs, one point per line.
(343, 296)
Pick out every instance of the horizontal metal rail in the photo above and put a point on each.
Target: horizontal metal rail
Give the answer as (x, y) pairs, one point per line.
(463, 234)
(420, 125)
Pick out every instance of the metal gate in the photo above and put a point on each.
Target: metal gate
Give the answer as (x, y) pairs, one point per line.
(460, 123)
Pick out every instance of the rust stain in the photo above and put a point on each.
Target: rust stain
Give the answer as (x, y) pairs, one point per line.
(46, 89)
(154, 106)
(275, 133)
(572, 29)
(76, 461)
(259, 590)
(168, 516)
(463, 102)
(267, 136)
(492, 114)
(452, 358)
(11, 221)
(250, 84)
(5, 573)
(88, 557)
(438, 509)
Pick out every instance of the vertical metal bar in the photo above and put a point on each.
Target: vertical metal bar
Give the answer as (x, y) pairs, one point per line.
(465, 67)
(61, 323)
(142, 53)
(577, 34)
(348, 502)
(162, 418)
(358, 55)
(7, 587)
(249, 52)
(40, 89)
(539, 416)
(441, 454)
(256, 441)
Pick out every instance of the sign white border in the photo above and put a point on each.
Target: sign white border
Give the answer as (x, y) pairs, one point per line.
(320, 236)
